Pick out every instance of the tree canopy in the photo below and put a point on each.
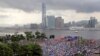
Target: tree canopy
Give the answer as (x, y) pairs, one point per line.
(5, 50)
(31, 50)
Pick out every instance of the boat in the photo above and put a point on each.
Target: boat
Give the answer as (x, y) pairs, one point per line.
(76, 31)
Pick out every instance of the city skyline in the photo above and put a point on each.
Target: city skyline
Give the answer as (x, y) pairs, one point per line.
(44, 20)
(29, 11)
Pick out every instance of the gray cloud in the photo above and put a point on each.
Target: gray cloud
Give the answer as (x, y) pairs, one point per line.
(30, 5)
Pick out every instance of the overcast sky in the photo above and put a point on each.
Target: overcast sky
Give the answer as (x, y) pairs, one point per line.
(29, 11)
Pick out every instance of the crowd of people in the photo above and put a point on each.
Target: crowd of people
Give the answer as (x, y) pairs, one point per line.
(68, 46)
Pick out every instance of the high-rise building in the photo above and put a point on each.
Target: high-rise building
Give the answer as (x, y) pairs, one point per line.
(92, 22)
(59, 23)
(50, 22)
(44, 25)
(33, 26)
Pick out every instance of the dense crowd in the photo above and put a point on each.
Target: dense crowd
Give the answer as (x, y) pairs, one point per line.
(68, 46)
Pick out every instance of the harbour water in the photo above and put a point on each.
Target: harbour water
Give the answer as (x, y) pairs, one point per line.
(94, 34)
(85, 34)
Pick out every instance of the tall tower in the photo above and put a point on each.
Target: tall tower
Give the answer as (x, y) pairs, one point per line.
(43, 16)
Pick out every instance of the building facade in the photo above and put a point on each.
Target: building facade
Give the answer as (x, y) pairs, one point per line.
(44, 25)
(59, 23)
(92, 22)
(50, 22)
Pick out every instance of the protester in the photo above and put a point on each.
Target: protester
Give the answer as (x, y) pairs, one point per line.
(67, 46)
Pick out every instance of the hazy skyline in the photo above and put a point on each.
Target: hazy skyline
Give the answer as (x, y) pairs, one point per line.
(29, 11)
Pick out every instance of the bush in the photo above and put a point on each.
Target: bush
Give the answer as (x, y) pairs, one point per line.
(52, 36)
(5, 50)
(15, 47)
(31, 50)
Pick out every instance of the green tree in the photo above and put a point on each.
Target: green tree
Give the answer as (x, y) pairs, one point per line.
(8, 37)
(52, 36)
(1, 39)
(38, 35)
(21, 37)
(5, 50)
(43, 36)
(29, 35)
(31, 50)
(15, 47)
(78, 54)
(15, 38)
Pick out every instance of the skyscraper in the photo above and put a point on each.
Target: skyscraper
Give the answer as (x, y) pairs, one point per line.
(92, 22)
(51, 22)
(43, 16)
(59, 23)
